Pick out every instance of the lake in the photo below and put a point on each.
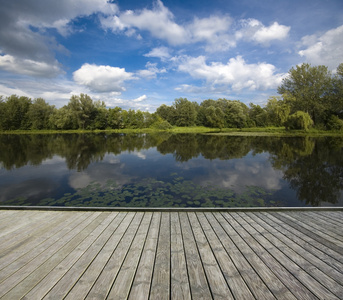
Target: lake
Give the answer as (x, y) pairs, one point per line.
(170, 170)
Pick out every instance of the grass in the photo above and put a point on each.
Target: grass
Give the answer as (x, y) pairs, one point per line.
(254, 131)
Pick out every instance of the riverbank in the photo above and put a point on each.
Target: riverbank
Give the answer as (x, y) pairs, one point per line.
(254, 131)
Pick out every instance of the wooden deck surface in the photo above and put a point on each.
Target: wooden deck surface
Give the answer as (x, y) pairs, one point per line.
(171, 254)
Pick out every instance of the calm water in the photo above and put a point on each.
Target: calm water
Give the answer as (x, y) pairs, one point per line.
(170, 170)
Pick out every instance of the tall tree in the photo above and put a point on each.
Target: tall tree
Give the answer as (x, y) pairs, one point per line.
(15, 113)
(309, 88)
(39, 114)
(278, 111)
(185, 112)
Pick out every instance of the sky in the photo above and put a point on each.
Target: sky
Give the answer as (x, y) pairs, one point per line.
(140, 54)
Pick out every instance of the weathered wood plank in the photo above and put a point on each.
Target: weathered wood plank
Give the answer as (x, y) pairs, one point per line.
(257, 254)
(215, 277)
(314, 234)
(160, 285)
(275, 266)
(69, 270)
(122, 286)
(322, 228)
(142, 281)
(26, 252)
(104, 282)
(233, 278)
(21, 236)
(326, 254)
(261, 280)
(299, 269)
(197, 278)
(38, 268)
(316, 268)
(180, 288)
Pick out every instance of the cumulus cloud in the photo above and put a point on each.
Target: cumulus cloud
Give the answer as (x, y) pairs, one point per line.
(102, 78)
(324, 49)
(236, 73)
(254, 30)
(215, 31)
(151, 71)
(23, 28)
(29, 67)
(159, 22)
(159, 52)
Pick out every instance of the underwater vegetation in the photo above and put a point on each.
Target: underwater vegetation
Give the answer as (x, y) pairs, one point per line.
(156, 193)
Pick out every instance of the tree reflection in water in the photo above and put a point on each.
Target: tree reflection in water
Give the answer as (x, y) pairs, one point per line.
(313, 167)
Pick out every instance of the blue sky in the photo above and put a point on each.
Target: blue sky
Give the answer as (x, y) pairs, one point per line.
(140, 54)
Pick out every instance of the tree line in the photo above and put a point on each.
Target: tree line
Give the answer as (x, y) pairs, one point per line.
(309, 96)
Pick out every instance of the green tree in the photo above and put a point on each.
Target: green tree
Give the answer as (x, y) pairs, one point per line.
(214, 117)
(39, 114)
(15, 113)
(83, 109)
(258, 116)
(201, 119)
(115, 120)
(337, 93)
(236, 114)
(185, 112)
(167, 113)
(278, 111)
(299, 120)
(309, 88)
(64, 118)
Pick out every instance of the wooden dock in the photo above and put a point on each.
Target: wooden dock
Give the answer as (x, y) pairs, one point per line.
(170, 254)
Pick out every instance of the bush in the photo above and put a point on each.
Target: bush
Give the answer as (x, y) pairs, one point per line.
(161, 124)
(299, 120)
(335, 123)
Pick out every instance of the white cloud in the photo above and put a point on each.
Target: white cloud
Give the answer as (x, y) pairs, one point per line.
(102, 78)
(214, 31)
(150, 71)
(236, 73)
(23, 37)
(159, 22)
(254, 30)
(274, 32)
(29, 67)
(139, 99)
(324, 49)
(159, 52)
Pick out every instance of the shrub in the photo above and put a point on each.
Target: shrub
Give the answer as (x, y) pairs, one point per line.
(299, 120)
(335, 123)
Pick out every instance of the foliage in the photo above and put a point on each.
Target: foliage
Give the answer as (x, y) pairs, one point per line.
(299, 120)
(309, 87)
(335, 123)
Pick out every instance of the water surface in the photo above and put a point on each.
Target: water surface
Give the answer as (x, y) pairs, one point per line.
(170, 170)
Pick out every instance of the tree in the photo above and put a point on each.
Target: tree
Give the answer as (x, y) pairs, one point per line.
(278, 111)
(299, 120)
(115, 120)
(15, 113)
(309, 87)
(185, 112)
(39, 114)
(167, 113)
(337, 93)
(214, 117)
(258, 116)
(83, 110)
(236, 114)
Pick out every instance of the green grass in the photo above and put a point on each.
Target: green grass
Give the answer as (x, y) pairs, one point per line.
(254, 131)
